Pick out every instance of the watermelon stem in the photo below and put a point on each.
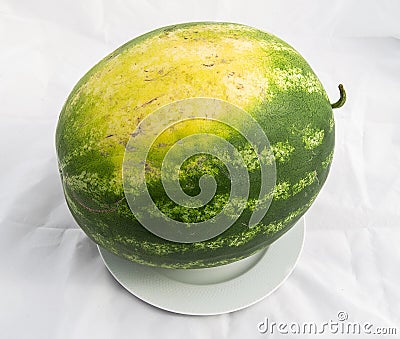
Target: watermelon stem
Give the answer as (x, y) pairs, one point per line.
(342, 98)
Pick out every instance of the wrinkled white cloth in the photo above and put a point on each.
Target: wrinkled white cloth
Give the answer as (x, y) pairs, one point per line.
(53, 283)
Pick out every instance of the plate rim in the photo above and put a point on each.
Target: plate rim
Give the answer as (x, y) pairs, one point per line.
(109, 258)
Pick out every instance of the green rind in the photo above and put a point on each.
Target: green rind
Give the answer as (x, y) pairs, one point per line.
(297, 118)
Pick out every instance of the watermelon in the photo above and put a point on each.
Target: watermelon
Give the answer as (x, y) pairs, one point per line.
(249, 71)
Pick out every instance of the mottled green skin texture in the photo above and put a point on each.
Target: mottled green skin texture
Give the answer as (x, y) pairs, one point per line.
(251, 69)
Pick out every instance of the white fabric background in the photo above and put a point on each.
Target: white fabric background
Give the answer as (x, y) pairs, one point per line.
(52, 281)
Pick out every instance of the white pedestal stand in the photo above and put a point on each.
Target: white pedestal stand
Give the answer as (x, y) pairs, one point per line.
(214, 290)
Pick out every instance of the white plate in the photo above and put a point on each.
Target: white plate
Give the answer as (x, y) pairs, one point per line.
(215, 290)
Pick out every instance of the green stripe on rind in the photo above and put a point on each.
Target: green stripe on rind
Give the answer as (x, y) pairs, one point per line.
(175, 255)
